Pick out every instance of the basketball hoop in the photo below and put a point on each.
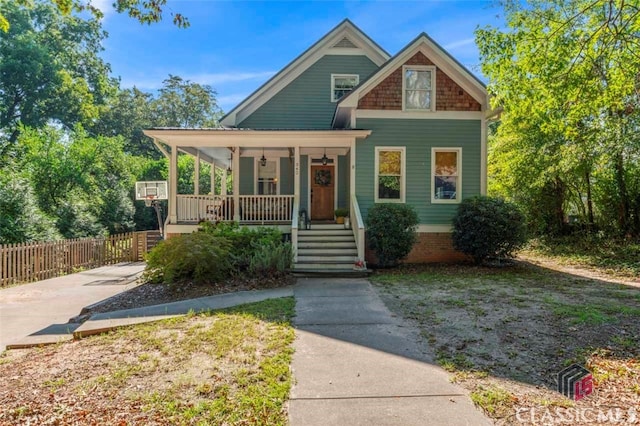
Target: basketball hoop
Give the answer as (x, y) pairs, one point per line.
(149, 199)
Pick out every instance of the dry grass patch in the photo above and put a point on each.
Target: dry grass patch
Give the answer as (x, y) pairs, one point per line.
(229, 367)
(505, 333)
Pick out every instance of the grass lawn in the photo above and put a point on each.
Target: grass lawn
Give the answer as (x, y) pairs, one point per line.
(505, 333)
(224, 367)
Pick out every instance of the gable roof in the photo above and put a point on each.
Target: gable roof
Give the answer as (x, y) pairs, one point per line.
(344, 38)
(432, 50)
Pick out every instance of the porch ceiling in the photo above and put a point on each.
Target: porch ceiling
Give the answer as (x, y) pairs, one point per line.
(215, 145)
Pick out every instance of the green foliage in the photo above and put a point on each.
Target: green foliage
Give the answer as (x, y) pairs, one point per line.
(50, 70)
(245, 242)
(341, 212)
(20, 219)
(200, 256)
(271, 259)
(391, 230)
(486, 227)
(568, 143)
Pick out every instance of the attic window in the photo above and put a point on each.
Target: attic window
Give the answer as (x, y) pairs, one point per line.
(418, 87)
(341, 84)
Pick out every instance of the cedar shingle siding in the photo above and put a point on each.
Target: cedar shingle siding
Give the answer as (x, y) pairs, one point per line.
(388, 94)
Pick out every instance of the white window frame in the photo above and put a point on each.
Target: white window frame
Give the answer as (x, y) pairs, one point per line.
(430, 68)
(333, 83)
(458, 199)
(403, 178)
(257, 169)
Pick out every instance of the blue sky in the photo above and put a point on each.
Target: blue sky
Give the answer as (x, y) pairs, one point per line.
(235, 46)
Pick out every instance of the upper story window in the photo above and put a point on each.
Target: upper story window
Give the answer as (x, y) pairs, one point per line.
(418, 87)
(341, 84)
(446, 175)
(390, 174)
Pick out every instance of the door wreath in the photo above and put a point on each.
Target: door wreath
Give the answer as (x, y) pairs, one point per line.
(323, 177)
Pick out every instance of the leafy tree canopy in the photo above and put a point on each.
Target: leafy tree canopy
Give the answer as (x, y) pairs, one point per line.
(146, 12)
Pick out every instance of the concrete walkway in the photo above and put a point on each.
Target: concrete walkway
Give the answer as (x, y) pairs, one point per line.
(43, 308)
(355, 363)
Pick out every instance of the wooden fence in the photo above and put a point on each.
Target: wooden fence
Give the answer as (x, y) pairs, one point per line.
(27, 262)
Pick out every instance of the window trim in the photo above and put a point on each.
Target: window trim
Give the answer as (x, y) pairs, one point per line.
(431, 68)
(333, 83)
(458, 199)
(256, 169)
(403, 177)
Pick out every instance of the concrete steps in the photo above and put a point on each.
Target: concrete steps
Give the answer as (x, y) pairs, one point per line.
(327, 250)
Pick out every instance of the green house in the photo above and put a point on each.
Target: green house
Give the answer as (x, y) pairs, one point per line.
(344, 125)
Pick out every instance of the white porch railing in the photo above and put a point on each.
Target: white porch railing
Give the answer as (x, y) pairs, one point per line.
(357, 225)
(252, 208)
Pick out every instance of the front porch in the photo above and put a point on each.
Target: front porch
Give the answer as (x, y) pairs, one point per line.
(262, 177)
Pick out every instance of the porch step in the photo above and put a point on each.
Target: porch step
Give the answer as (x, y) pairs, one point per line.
(327, 226)
(331, 273)
(325, 238)
(327, 252)
(326, 259)
(316, 232)
(319, 266)
(328, 244)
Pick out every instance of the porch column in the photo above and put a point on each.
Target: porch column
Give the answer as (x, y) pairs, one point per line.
(213, 179)
(196, 174)
(235, 173)
(173, 185)
(296, 174)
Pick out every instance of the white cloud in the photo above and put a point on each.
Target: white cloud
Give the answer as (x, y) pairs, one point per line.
(153, 82)
(460, 43)
(229, 101)
(105, 6)
(227, 77)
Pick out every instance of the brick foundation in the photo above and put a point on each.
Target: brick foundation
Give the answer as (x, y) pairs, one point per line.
(430, 247)
(388, 94)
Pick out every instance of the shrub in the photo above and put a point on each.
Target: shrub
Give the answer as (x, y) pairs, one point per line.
(486, 227)
(391, 229)
(271, 259)
(244, 241)
(200, 256)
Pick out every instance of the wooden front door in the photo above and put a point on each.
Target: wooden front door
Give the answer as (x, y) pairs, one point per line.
(322, 192)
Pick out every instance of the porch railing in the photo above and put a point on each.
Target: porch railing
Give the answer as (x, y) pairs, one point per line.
(357, 226)
(252, 208)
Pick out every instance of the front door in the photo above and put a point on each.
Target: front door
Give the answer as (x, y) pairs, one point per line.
(322, 192)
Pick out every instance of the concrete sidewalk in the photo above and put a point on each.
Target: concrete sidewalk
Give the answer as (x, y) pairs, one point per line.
(44, 308)
(355, 363)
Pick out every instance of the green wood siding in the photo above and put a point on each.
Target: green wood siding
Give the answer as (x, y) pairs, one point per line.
(305, 103)
(419, 136)
(247, 171)
(286, 176)
(343, 181)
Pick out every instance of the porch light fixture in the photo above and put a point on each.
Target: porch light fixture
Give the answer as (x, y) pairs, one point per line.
(263, 160)
(325, 160)
(230, 160)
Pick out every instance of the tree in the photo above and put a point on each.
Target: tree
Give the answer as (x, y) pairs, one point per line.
(566, 74)
(182, 103)
(50, 71)
(21, 220)
(147, 12)
(81, 180)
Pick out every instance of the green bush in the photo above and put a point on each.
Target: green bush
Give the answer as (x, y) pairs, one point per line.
(341, 212)
(391, 229)
(200, 256)
(244, 241)
(271, 259)
(486, 227)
